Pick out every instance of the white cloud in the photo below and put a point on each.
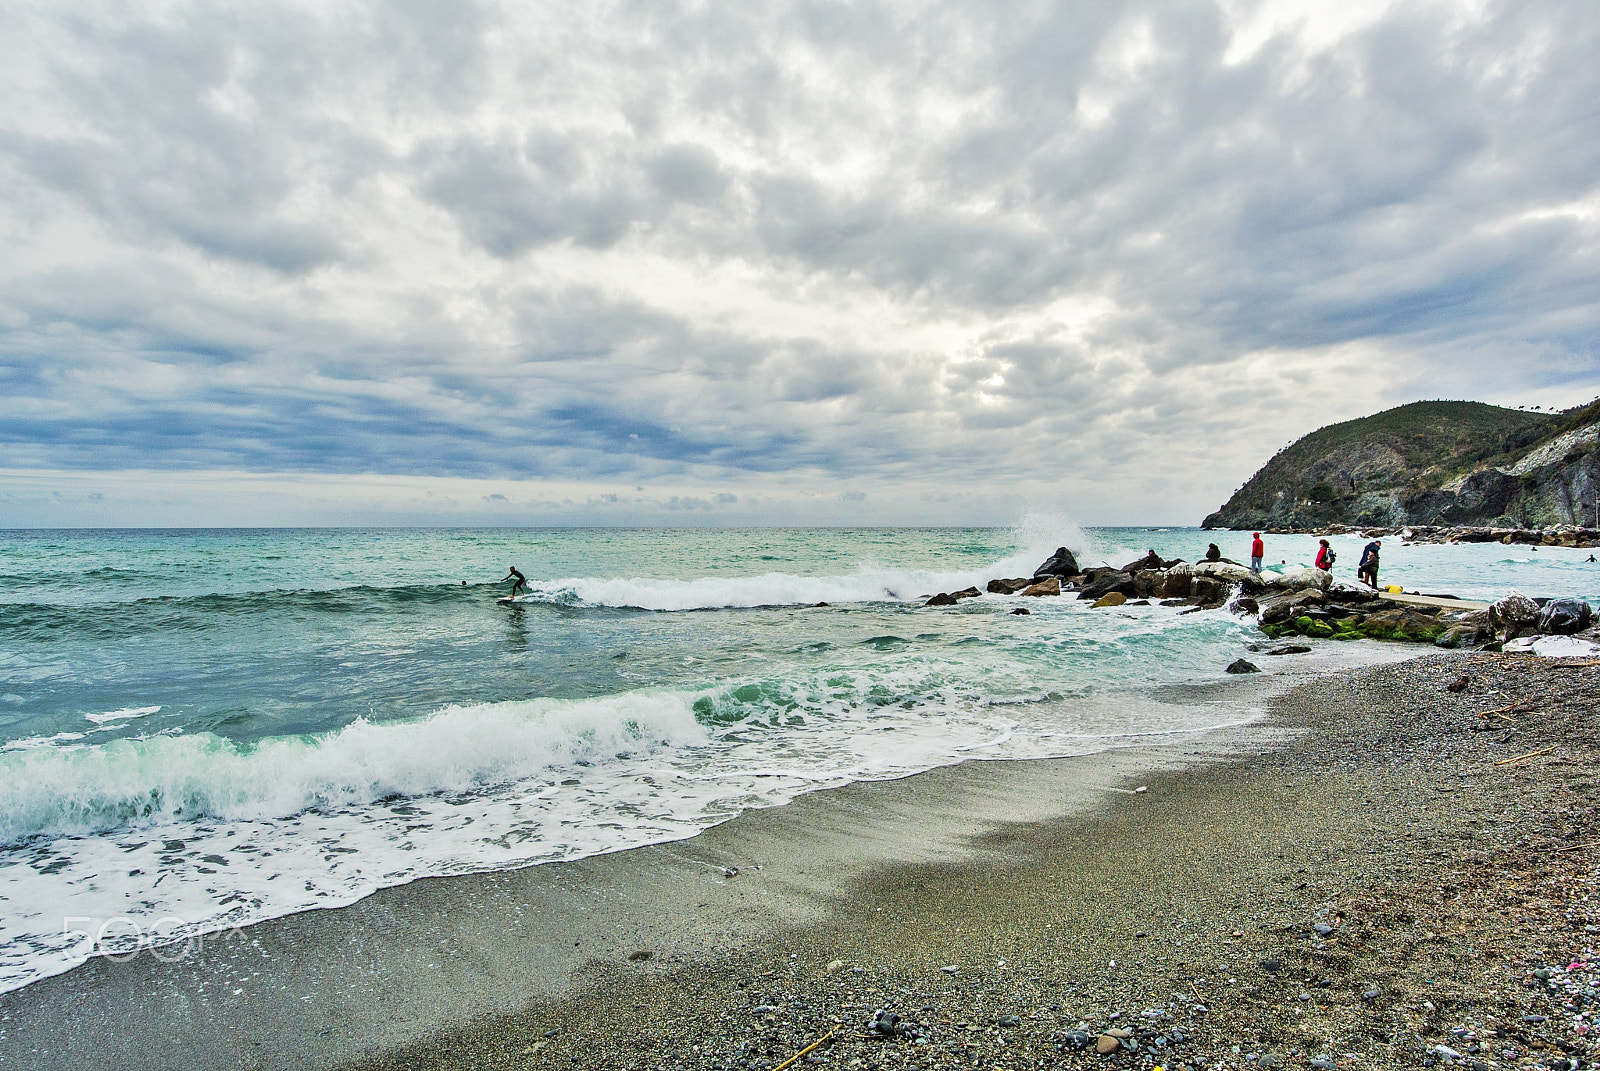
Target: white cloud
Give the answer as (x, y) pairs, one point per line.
(1110, 254)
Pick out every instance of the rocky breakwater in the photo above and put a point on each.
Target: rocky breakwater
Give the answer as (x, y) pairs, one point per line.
(1344, 613)
(1198, 586)
(1302, 602)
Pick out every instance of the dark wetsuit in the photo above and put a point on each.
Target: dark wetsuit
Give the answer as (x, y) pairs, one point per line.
(520, 585)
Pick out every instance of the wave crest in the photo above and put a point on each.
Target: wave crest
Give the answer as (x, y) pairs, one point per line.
(78, 790)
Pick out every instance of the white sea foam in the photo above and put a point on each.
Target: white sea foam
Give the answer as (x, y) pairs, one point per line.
(170, 778)
(866, 584)
(125, 714)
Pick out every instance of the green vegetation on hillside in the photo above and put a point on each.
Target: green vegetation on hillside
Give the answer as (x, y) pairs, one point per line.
(1417, 463)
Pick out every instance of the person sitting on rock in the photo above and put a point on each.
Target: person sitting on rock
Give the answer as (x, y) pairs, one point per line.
(1213, 553)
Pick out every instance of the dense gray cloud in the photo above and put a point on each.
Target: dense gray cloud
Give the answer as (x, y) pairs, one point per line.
(1120, 253)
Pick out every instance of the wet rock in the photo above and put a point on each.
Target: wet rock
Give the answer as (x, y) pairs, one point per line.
(1290, 648)
(1112, 598)
(1009, 586)
(1563, 617)
(941, 599)
(1303, 579)
(1271, 966)
(966, 593)
(1059, 564)
(1242, 666)
(1284, 607)
(1022, 610)
(1051, 586)
(1246, 605)
(1105, 581)
(1516, 611)
(1225, 571)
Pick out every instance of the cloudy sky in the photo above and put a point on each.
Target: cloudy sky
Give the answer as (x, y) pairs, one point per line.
(751, 262)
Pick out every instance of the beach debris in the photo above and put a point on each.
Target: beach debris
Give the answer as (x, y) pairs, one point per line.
(834, 966)
(1242, 666)
(1459, 684)
(1529, 755)
(807, 1049)
(950, 969)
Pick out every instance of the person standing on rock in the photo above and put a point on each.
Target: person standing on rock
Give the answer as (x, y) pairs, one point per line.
(1325, 557)
(1258, 551)
(1367, 568)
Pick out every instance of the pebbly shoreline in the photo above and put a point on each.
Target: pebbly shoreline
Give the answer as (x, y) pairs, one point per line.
(1410, 881)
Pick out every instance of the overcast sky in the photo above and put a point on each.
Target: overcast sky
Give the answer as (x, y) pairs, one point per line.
(440, 262)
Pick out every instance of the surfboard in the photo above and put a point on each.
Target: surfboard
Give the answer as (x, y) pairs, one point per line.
(507, 598)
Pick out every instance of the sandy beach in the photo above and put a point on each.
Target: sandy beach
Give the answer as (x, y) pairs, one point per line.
(1356, 880)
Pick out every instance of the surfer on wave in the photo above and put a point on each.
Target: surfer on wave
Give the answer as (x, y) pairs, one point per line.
(522, 582)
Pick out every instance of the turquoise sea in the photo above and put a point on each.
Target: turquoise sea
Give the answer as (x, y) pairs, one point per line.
(200, 729)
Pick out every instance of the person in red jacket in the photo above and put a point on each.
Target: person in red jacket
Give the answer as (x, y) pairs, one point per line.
(1325, 557)
(1258, 550)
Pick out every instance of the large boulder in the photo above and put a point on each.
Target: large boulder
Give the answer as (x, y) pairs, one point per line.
(1175, 582)
(1009, 586)
(1105, 581)
(1563, 617)
(1048, 586)
(1208, 591)
(1291, 605)
(1061, 563)
(1226, 572)
(1516, 610)
(1300, 579)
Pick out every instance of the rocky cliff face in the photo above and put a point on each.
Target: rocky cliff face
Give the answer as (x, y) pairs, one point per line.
(1431, 463)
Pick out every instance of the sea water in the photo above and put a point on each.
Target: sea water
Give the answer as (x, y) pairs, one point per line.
(202, 729)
